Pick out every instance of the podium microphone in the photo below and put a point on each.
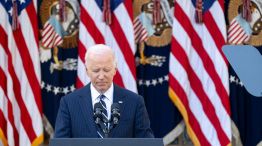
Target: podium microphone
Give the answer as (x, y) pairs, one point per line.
(98, 109)
(98, 113)
(115, 113)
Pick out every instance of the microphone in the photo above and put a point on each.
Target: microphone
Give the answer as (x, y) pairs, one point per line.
(115, 113)
(98, 112)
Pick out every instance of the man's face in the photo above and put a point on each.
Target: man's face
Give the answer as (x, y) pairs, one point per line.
(101, 70)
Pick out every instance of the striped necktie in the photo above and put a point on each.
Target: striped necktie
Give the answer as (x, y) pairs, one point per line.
(104, 114)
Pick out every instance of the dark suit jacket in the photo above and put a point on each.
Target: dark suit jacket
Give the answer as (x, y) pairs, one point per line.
(75, 115)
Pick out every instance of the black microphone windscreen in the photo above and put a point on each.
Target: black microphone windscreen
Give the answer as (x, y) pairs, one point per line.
(115, 106)
(97, 112)
(97, 105)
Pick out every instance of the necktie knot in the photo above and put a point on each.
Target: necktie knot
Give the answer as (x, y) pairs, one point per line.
(102, 97)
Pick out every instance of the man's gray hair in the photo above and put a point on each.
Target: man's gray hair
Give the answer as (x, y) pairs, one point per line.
(99, 49)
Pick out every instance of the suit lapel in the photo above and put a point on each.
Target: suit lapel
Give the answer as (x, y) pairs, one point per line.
(119, 97)
(86, 106)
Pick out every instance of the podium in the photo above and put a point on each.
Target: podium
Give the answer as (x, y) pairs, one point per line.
(106, 142)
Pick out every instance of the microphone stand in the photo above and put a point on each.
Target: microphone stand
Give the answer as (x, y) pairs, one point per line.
(107, 125)
(105, 128)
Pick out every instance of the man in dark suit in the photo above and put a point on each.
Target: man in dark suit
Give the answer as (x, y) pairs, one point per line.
(75, 115)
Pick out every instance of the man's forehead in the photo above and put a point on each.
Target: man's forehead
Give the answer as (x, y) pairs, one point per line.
(100, 49)
(101, 65)
(103, 54)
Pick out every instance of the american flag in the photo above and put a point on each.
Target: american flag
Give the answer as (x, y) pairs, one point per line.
(140, 31)
(20, 94)
(199, 84)
(52, 34)
(143, 28)
(239, 31)
(119, 35)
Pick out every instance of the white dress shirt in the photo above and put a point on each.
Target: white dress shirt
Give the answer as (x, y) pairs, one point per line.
(108, 100)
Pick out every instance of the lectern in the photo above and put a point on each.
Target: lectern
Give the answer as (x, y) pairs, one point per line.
(106, 142)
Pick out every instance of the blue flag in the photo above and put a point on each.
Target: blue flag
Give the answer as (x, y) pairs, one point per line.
(58, 55)
(246, 111)
(153, 86)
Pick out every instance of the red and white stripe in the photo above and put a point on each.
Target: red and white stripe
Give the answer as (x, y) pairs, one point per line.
(140, 31)
(50, 38)
(20, 92)
(236, 34)
(199, 73)
(119, 35)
